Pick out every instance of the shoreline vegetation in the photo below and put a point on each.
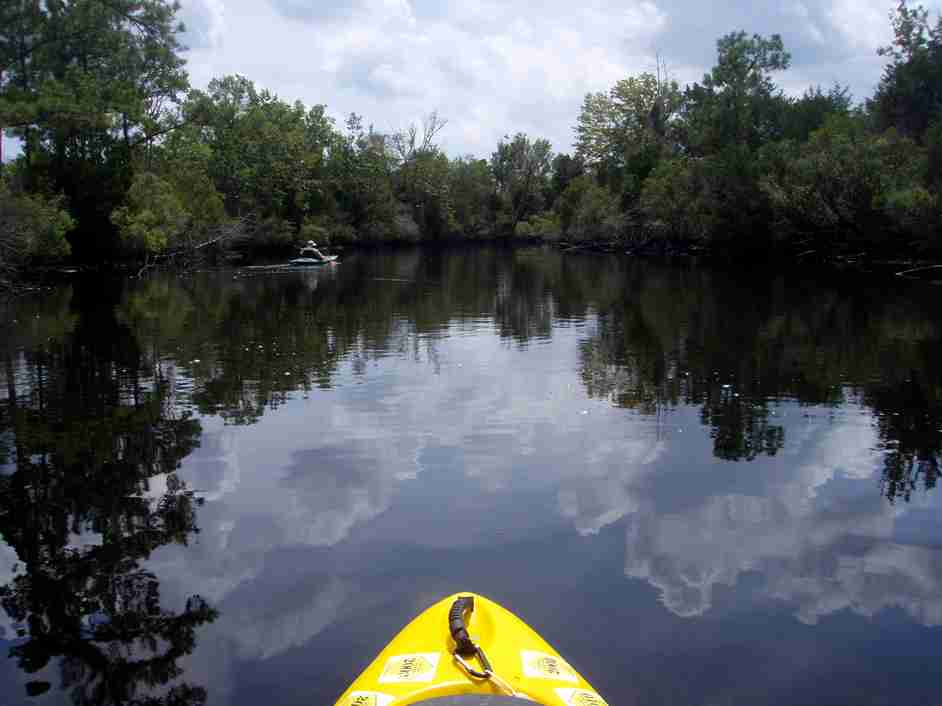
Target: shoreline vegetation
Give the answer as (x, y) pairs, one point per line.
(124, 166)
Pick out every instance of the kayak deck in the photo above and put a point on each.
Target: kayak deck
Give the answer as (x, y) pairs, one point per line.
(420, 664)
(476, 701)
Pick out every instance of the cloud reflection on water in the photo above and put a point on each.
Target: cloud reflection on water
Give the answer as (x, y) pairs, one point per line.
(810, 521)
(816, 531)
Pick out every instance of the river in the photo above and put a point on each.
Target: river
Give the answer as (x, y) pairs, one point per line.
(702, 487)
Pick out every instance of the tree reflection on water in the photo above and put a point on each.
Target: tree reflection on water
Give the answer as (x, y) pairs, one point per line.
(93, 441)
(736, 347)
(909, 419)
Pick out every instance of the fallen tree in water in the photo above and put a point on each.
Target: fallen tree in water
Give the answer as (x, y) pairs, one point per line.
(933, 273)
(196, 253)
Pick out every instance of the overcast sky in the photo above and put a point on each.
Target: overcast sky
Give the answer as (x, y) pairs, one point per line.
(493, 67)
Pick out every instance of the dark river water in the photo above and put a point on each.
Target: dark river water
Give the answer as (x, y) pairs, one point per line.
(703, 488)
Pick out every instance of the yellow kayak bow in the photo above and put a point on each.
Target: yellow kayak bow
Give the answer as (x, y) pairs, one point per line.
(467, 645)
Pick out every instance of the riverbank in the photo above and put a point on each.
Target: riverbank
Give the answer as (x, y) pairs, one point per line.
(656, 250)
(924, 269)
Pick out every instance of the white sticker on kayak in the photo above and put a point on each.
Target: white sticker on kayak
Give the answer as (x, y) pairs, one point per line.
(580, 697)
(367, 698)
(543, 666)
(419, 667)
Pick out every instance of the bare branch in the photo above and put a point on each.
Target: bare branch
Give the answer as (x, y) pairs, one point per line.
(432, 124)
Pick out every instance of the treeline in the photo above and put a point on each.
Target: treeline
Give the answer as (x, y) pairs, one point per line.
(121, 159)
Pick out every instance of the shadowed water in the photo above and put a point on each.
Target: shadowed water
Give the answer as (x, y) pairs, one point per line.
(701, 487)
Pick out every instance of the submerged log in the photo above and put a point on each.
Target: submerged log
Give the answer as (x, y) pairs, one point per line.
(909, 274)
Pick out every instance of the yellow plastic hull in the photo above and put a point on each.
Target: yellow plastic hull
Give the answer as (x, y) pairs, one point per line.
(419, 664)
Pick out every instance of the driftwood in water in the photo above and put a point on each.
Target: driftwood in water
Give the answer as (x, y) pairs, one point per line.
(189, 251)
(908, 274)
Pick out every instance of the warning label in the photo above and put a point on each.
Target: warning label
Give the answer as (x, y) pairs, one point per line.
(367, 698)
(543, 666)
(580, 697)
(410, 668)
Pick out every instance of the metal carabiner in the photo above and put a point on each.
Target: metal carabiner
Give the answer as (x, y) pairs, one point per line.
(485, 663)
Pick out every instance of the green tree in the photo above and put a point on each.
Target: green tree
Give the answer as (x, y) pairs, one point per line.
(153, 218)
(587, 210)
(263, 152)
(737, 103)
(185, 161)
(849, 188)
(421, 177)
(621, 135)
(89, 86)
(909, 96)
(808, 113)
(713, 192)
(32, 227)
(675, 201)
(359, 168)
(473, 196)
(566, 168)
(521, 168)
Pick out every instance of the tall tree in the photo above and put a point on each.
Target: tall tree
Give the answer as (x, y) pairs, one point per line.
(634, 114)
(810, 112)
(89, 86)
(737, 103)
(909, 96)
(521, 168)
(359, 168)
(473, 196)
(422, 175)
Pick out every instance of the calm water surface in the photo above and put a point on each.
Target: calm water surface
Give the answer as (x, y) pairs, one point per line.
(701, 487)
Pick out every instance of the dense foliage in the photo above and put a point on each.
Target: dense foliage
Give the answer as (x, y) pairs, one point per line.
(120, 158)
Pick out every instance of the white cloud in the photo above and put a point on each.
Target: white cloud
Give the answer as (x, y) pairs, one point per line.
(495, 68)
(886, 575)
(489, 68)
(261, 631)
(814, 527)
(205, 22)
(863, 24)
(601, 492)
